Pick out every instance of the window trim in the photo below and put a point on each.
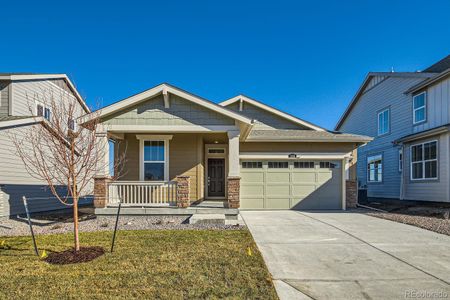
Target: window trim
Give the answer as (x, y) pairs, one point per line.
(425, 102)
(382, 111)
(367, 168)
(423, 162)
(159, 138)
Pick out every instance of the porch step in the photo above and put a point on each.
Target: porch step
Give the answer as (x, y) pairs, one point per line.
(207, 219)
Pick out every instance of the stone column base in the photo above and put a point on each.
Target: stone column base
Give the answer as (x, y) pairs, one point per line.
(101, 191)
(351, 192)
(183, 191)
(233, 189)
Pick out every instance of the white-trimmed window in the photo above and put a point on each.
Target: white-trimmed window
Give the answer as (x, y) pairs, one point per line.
(375, 168)
(383, 121)
(420, 108)
(47, 114)
(154, 157)
(424, 161)
(400, 160)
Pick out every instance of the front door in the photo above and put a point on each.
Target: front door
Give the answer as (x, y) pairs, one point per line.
(216, 177)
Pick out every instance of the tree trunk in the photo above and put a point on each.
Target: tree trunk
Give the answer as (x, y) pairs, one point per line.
(75, 224)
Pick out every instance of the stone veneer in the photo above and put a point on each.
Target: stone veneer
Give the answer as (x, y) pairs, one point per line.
(351, 192)
(183, 191)
(233, 188)
(101, 191)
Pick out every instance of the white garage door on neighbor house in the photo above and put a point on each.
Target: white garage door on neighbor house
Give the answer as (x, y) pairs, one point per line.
(288, 184)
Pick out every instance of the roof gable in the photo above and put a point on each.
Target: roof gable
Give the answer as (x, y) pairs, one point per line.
(165, 90)
(241, 99)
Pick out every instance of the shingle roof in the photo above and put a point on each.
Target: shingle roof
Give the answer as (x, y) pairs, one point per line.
(304, 135)
(440, 66)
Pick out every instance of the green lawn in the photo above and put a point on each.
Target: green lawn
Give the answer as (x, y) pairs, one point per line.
(170, 264)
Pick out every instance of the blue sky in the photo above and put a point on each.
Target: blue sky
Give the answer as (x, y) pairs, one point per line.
(305, 57)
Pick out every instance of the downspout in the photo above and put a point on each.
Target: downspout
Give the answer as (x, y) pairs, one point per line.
(402, 196)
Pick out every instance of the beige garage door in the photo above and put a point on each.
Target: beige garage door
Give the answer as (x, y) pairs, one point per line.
(271, 184)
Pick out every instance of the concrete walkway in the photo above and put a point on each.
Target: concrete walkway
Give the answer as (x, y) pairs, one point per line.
(344, 255)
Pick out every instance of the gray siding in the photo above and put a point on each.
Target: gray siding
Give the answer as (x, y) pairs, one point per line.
(181, 112)
(264, 119)
(429, 190)
(4, 98)
(363, 120)
(374, 81)
(438, 106)
(26, 93)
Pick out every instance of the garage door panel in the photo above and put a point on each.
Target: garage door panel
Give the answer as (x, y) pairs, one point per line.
(277, 203)
(252, 177)
(292, 188)
(302, 190)
(255, 190)
(257, 203)
(277, 176)
(298, 177)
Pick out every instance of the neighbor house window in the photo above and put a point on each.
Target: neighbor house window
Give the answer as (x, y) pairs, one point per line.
(383, 121)
(400, 160)
(47, 114)
(327, 165)
(154, 160)
(71, 124)
(251, 164)
(424, 161)
(278, 164)
(304, 164)
(39, 110)
(420, 107)
(375, 168)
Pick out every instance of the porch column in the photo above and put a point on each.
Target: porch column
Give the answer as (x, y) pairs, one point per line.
(102, 178)
(234, 174)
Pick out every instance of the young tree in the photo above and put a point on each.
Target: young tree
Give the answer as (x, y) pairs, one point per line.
(60, 152)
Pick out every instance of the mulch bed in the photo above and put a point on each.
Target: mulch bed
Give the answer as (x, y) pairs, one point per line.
(71, 256)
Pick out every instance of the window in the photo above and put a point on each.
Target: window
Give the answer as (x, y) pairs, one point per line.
(383, 122)
(327, 165)
(278, 164)
(39, 110)
(216, 150)
(304, 164)
(420, 108)
(375, 168)
(47, 114)
(400, 160)
(424, 161)
(71, 124)
(154, 160)
(252, 164)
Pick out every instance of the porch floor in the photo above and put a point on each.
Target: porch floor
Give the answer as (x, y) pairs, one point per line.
(203, 207)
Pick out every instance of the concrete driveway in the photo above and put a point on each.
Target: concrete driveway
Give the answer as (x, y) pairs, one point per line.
(344, 255)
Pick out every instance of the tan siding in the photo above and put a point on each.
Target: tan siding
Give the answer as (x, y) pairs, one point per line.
(4, 98)
(181, 112)
(300, 147)
(264, 119)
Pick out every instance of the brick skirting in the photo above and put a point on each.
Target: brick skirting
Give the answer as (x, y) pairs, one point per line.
(101, 191)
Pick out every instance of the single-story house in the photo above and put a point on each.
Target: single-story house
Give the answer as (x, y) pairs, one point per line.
(183, 149)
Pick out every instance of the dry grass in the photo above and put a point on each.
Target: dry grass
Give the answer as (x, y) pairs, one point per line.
(146, 264)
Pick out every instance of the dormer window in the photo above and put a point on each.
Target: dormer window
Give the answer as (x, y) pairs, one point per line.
(420, 108)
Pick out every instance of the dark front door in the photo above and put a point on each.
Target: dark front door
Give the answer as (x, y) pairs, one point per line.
(216, 177)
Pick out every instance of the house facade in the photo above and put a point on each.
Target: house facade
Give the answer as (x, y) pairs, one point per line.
(408, 114)
(23, 106)
(182, 149)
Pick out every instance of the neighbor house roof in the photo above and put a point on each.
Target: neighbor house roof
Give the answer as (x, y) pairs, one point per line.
(440, 66)
(42, 76)
(430, 81)
(366, 81)
(165, 88)
(271, 110)
(293, 135)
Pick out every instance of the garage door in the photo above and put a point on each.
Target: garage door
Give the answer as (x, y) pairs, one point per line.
(291, 184)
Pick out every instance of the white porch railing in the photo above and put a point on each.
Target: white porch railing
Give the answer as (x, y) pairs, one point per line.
(143, 193)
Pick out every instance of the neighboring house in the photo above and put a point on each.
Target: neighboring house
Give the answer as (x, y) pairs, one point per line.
(21, 106)
(183, 149)
(408, 113)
